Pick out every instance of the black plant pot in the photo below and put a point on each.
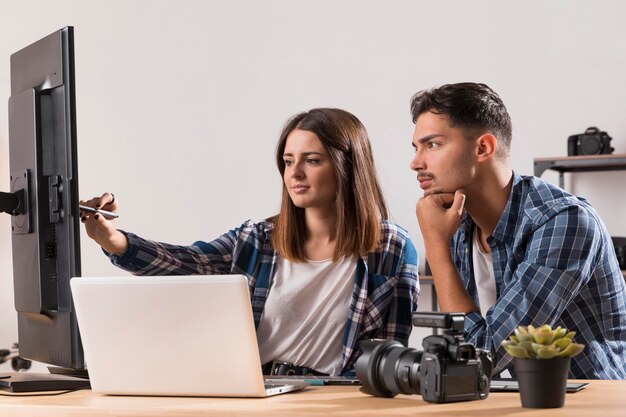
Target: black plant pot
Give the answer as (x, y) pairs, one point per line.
(542, 382)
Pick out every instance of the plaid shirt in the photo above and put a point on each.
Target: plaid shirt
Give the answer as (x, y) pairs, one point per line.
(385, 287)
(554, 263)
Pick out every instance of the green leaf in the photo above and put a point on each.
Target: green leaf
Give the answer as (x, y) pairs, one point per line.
(516, 351)
(547, 352)
(528, 347)
(559, 332)
(545, 328)
(544, 336)
(562, 343)
(572, 350)
(521, 331)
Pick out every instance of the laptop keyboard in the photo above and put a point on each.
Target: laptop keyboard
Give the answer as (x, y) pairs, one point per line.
(274, 385)
(313, 379)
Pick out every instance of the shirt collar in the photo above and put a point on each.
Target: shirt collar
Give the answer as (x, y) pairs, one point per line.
(508, 220)
(505, 228)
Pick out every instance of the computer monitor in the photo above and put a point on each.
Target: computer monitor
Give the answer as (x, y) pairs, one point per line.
(43, 202)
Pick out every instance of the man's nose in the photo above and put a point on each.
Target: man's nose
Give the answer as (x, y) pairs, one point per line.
(417, 163)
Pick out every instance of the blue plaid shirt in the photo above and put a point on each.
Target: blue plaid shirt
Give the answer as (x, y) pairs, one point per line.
(554, 263)
(385, 286)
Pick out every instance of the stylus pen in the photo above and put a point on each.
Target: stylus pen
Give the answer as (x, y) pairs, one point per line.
(103, 212)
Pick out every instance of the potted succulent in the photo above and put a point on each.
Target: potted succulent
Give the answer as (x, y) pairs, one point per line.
(542, 359)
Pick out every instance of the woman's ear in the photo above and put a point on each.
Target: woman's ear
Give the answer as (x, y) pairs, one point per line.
(486, 146)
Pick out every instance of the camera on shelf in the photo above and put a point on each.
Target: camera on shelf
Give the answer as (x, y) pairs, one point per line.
(447, 370)
(592, 142)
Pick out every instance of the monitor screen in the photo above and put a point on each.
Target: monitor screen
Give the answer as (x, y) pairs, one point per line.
(43, 200)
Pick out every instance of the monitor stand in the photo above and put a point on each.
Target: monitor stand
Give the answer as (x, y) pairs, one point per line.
(78, 373)
(54, 381)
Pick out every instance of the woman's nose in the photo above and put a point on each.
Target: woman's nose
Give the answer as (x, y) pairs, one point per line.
(297, 171)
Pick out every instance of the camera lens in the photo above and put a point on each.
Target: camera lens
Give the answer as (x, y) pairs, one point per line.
(387, 368)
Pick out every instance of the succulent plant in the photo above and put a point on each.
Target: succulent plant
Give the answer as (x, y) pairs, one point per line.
(542, 343)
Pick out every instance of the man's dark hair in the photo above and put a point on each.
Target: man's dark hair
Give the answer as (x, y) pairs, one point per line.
(472, 107)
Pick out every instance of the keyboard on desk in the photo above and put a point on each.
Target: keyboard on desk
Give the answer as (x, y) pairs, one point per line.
(511, 385)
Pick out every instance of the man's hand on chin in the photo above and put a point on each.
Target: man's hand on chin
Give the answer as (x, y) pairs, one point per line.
(439, 215)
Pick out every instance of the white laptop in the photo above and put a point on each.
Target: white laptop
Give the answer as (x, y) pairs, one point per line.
(174, 335)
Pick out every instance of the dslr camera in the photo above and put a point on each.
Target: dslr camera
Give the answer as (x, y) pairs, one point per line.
(592, 142)
(447, 370)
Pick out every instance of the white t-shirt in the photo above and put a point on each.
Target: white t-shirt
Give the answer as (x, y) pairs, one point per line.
(306, 312)
(483, 276)
(485, 282)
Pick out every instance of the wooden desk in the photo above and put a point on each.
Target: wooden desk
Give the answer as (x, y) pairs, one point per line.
(600, 398)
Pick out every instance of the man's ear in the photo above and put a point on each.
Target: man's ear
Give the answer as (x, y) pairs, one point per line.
(486, 146)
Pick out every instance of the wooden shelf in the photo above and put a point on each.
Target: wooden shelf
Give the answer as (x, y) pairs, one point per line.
(426, 279)
(585, 163)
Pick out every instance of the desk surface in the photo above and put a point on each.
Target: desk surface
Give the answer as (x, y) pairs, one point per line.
(605, 398)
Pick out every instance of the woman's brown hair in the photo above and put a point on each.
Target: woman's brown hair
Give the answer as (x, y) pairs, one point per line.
(360, 205)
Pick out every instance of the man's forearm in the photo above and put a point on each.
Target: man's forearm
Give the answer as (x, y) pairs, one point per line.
(451, 294)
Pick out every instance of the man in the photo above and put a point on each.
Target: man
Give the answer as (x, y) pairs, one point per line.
(506, 249)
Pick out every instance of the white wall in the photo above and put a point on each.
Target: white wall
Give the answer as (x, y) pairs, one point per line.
(180, 102)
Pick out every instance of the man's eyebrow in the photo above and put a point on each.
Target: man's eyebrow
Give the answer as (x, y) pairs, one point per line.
(427, 138)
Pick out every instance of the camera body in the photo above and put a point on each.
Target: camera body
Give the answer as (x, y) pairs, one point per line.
(446, 378)
(447, 370)
(592, 142)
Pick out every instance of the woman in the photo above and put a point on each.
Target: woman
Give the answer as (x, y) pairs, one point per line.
(325, 273)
